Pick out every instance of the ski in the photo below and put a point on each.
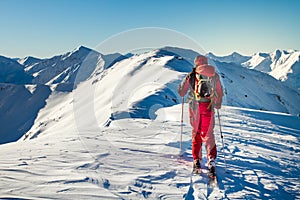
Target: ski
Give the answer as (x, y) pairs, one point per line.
(213, 181)
(212, 176)
(198, 186)
(203, 185)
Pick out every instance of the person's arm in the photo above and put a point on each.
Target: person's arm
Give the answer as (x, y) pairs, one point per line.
(184, 86)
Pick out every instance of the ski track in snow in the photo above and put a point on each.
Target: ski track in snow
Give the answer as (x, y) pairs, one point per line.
(261, 149)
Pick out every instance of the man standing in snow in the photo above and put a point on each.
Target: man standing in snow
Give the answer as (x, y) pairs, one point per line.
(205, 94)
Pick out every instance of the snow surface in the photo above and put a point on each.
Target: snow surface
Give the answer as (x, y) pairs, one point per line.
(116, 134)
(261, 149)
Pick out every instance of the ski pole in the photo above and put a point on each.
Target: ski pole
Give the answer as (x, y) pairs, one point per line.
(181, 127)
(222, 140)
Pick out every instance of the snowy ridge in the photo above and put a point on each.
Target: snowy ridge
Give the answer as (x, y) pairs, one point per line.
(63, 69)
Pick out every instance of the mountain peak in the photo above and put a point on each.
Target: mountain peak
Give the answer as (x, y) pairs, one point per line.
(236, 54)
(210, 54)
(278, 52)
(82, 49)
(29, 60)
(234, 57)
(79, 52)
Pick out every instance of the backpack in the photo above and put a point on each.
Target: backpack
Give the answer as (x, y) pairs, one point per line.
(206, 86)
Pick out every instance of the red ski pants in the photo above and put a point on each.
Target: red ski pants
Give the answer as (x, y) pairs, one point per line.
(203, 122)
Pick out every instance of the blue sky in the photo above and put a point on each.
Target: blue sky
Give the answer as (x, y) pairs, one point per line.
(44, 28)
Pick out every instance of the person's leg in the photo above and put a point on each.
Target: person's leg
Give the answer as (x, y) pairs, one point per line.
(211, 148)
(196, 147)
(196, 136)
(207, 131)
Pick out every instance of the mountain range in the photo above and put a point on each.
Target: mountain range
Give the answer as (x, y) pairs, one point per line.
(29, 85)
(284, 65)
(84, 125)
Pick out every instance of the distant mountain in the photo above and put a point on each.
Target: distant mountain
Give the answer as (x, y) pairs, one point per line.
(259, 62)
(64, 68)
(287, 69)
(28, 61)
(13, 72)
(232, 58)
(284, 65)
(254, 89)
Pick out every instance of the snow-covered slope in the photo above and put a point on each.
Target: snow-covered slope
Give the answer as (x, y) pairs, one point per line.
(140, 161)
(135, 87)
(257, 90)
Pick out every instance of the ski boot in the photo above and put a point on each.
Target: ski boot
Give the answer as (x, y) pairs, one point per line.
(197, 167)
(212, 169)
